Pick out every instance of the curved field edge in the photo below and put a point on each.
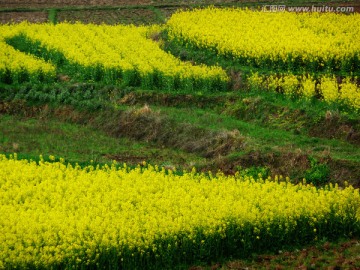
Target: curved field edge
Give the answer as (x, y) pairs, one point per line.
(80, 57)
(157, 218)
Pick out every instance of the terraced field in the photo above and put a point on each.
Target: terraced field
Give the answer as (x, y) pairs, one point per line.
(190, 140)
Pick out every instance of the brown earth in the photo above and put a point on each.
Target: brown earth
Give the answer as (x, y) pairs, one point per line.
(291, 164)
(66, 3)
(168, 11)
(75, 3)
(16, 17)
(111, 16)
(326, 256)
(89, 3)
(141, 16)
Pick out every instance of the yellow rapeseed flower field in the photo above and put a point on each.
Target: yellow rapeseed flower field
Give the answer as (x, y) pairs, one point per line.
(59, 215)
(118, 53)
(290, 41)
(16, 66)
(306, 86)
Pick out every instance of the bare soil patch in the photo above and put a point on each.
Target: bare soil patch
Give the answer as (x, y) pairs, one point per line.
(112, 15)
(168, 11)
(67, 3)
(16, 17)
(141, 16)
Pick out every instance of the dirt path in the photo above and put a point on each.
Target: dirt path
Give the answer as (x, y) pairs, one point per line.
(68, 3)
(39, 4)
(107, 11)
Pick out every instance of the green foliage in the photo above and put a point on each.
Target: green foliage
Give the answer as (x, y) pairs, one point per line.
(254, 171)
(158, 13)
(24, 44)
(53, 16)
(79, 143)
(318, 174)
(80, 96)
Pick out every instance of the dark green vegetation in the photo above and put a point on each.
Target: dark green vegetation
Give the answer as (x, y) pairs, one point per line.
(237, 130)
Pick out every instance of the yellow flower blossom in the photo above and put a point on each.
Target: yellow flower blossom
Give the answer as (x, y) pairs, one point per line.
(281, 39)
(121, 54)
(54, 213)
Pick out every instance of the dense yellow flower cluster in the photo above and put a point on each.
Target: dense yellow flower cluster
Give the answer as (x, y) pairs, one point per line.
(55, 214)
(346, 92)
(118, 52)
(291, 41)
(16, 66)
